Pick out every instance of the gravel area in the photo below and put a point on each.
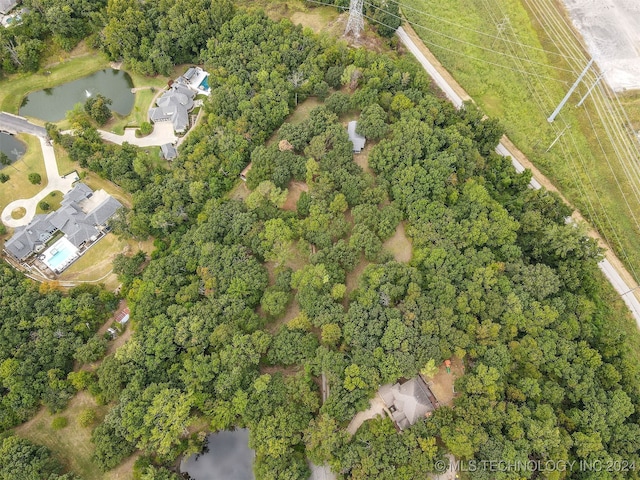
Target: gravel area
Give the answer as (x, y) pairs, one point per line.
(611, 32)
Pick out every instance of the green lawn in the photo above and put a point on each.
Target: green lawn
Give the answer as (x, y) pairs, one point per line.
(18, 185)
(595, 182)
(53, 199)
(149, 88)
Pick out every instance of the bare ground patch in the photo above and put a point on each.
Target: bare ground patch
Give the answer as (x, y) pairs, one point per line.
(240, 191)
(362, 158)
(293, 310)
(442, 383)
(295, 190)
(354, 275)
(399, 245)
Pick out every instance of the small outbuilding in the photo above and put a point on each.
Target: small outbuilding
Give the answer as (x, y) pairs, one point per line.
(357, 140)
(169, 152)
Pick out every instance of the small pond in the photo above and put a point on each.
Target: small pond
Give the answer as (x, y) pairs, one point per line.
(11, 146)
(226, 456)
(52, 104)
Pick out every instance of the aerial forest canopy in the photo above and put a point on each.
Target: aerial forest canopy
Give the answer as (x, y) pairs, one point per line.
(248, 300)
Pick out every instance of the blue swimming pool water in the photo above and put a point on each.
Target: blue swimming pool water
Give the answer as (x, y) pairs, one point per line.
(60, 257)
(205, 83)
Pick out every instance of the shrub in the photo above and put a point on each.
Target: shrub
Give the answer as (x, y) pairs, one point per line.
(87, 417)
(35, 178)
(3, 177)
(44, 205)
(146, 128)
(59, 423)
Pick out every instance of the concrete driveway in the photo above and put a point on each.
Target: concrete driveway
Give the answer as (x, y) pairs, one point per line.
(376, 409)
(54, 182)
(162, 134)
(14, 124)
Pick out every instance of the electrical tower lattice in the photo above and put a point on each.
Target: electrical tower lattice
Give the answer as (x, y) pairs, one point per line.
(355, 24)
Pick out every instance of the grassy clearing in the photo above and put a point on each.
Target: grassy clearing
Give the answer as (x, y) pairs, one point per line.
(18, 185)
(53, 199)
(317, 18)
(593, 180)
(72, 444)
(14, 88)
(399, 245)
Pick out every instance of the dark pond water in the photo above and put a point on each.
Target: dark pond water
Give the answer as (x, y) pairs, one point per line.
(52, 104)
(11, 146)
(226, 456)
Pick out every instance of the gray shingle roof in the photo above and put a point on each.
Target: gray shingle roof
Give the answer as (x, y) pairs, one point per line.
(26, 239)
(174, 106)
(169, 152)
(7, 5)
(410, 401)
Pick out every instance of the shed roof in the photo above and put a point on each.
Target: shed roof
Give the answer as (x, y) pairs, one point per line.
(358, 140)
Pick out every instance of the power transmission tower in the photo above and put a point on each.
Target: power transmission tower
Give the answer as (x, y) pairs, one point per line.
(355, 24)
(501, 26)
(552, 117)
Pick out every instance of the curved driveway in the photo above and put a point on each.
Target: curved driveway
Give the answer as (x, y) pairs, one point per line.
(162, 133)
(54, 182)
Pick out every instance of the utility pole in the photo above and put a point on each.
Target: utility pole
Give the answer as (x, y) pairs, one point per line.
(355, 24)
(555, 113)
(590, 88)
(557, 138)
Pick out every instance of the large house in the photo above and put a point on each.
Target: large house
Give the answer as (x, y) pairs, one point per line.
(82, 217)
(7, 5)
(174, 106)
(408, 402)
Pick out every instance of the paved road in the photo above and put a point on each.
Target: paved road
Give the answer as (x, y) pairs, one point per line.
(162, 133)
(54, 182)
(14, 124)
(613, 273)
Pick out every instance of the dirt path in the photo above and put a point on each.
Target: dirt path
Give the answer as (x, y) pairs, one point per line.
(376, 409)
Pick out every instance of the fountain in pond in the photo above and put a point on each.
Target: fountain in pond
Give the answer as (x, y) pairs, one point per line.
(87, 93)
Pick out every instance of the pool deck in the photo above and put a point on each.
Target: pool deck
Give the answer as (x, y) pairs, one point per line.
(54, 182)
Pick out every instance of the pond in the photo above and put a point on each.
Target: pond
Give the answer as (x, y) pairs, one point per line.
(11, 146)
(226, 456)
(52, 104)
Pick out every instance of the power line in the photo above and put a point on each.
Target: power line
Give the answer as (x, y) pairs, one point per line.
(465, 42)
(479, 32)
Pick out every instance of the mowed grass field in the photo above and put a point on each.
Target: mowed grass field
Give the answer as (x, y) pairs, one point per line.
(480, 43)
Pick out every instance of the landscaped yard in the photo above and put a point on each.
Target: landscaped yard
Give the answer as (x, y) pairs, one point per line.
(96, 264)
(18, 185)
(53, 200)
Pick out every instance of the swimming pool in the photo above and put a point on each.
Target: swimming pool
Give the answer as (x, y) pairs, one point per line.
(204, 85)
(60, 255)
